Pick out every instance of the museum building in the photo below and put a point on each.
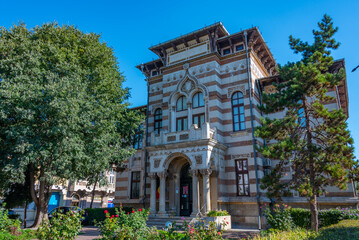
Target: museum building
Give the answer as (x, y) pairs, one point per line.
(199, 154)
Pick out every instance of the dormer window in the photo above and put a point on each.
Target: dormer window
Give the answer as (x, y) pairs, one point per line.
(239, 47)
(226, 51)
(154, 73)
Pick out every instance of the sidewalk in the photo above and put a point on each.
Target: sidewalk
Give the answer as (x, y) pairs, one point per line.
(89, 233)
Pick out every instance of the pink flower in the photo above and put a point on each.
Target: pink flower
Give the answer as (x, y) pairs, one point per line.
(219, 233)
(192, 230)
(227, 222)
(128, 213)
(182, 218)
(105, 211)
(265, 204)
(140, 209)
(224, 218)
(286, 205)
(133, 211)
(116, 215)
(112, 216)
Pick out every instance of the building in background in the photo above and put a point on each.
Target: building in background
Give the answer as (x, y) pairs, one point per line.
(199, 155)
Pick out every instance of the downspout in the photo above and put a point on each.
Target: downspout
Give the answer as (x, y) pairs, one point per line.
(146, 140)
(252, 125)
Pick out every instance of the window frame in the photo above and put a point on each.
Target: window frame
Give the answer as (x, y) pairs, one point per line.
(224, 49)
(183, 103)
(158, 121)
(138, 184)
(138, 139)
(199, 118)
(242, 173)
(241, 44)
(197, 100)
(182, 120)
(238, 107)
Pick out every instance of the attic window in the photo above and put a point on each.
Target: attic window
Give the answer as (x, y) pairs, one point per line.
(239, 47)
(226, 51)
(154, 73)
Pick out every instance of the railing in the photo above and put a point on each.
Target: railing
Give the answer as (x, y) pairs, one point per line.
(193, 134)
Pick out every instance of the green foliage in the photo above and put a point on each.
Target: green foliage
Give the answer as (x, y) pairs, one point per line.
(124, 225)
(97, 214)
(327, 217)
(63, 108)
(311, 139)
(217, 213)
(294, 234)
(62, 226)
(7, 224)
(300, 217)
(279, 217)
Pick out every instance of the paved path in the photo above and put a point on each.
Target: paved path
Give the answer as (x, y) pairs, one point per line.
(89, 233)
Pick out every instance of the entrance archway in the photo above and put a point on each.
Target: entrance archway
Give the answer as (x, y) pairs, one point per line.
(185, 191)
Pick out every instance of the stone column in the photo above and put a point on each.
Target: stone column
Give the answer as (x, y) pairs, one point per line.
(162, 210)
(153, 177)
(206, 190)
(189, 109)
(173, 118)
(195, 193)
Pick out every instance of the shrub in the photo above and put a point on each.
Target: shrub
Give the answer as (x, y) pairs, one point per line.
(279, 217)
(300, 217)
(217, 213)
(7, 224)
(344, 230)
(62, 226)
(96, 214)
(124, 225)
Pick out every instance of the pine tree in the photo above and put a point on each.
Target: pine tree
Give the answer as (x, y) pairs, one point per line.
(310, 139)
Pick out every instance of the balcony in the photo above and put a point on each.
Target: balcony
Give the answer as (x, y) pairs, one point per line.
(193, 134)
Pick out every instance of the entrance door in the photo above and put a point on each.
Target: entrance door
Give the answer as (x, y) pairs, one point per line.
(185, 191)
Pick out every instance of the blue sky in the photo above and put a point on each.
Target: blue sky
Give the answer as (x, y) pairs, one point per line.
(131, 27)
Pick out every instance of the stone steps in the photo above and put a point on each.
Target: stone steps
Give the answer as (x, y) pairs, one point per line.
(160, 222)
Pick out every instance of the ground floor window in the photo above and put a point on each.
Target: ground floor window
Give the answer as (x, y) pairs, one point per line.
(135, 185)
(242, 177)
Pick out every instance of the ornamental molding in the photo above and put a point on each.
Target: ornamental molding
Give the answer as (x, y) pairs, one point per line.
(155, 106)
(198, 159)
(240, 88)
(243, 155)
(162, 175)
(156, 162)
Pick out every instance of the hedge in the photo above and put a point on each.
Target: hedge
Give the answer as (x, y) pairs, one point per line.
(327, 217)
(98, 214)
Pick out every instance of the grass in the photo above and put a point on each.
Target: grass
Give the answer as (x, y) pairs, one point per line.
(344, 230)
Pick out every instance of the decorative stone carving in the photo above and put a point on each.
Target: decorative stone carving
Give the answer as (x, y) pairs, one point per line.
(198, 159)
(187, 86)
(155, 106)
(185, 66)
(270, 89)
(243, 155)
(240, 88)
(206, 172)
(157, 162)
(184, 137)
(152, 175)
(162, 175)
(194, 172)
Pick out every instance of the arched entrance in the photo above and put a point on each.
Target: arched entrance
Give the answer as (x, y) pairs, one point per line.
(185, 191)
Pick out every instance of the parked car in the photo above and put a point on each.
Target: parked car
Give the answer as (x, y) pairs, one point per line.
(12, 214)
(65, 210)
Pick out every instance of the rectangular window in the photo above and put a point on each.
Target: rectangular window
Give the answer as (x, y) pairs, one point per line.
(112, 177)
(135, 185)
(242, 177)
(198, 119)
(182, 124)
(137, 143)
(226, 51)
(154, 73)
(239, 47)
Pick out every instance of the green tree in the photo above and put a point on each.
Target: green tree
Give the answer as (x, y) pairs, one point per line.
(310, 138)
(62, 105)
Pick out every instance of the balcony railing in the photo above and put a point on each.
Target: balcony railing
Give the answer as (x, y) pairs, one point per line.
(193, 134)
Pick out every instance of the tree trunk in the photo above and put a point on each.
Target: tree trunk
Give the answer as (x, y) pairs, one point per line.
(41, 201)
(314, 213)
(313, 197)
(25, 214)
(93, 193)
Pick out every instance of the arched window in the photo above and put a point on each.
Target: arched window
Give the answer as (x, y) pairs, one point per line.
(197, 100)
(238, 112)
(158, 120)
(181, 104)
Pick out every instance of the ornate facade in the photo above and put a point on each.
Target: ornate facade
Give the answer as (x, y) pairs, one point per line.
(202, 110)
